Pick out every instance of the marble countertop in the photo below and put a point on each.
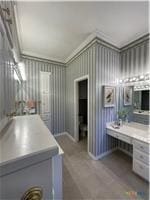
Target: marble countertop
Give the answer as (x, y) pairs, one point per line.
(135, 130)
(141, 112)
(24, 137)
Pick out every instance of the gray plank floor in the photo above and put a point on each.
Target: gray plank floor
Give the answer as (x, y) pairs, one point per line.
(108, 178)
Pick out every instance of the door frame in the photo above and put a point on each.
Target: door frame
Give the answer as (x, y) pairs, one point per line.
(40, 106)
(76, 107)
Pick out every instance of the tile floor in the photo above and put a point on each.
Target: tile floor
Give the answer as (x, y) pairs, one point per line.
(109, 178)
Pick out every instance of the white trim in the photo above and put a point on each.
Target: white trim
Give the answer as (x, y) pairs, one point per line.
(102, 155)
(106, 39)
(60, 134)
(76, 106)
(64, 133)
(71, 137)
(42, 56)
(3, 123)
(92, 36)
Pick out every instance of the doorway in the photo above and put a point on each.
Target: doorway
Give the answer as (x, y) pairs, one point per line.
(81, 109)
(45, 89)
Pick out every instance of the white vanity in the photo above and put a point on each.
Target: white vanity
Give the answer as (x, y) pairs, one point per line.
(29, 157)
(137, 135)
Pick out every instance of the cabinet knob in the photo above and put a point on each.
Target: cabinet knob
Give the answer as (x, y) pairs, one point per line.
(34, 193)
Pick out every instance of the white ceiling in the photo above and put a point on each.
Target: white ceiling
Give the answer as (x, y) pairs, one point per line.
(54, 30)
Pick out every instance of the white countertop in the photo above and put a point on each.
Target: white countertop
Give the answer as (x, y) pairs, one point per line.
(135, 130)
(25, 137)
(138, 112)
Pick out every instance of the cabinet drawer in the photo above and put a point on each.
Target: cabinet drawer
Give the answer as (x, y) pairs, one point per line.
(141, 169)
(119, 136)
(112, 133)
(124, 138)
(139, 155)
(141, 146)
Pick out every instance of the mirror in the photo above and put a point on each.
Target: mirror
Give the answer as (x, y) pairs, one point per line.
(141, 100)
(133, 94)
(141, 111)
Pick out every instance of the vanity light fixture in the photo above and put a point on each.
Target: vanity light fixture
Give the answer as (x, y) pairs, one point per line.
(135, 79)
(141, 77)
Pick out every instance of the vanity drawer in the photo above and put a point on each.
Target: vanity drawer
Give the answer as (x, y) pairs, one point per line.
(141, 146)
(124, 138)
(112, 133)
(139, 155)
(119, 136)
(141, 169)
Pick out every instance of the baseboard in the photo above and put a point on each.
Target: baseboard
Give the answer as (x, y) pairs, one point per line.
(60, 134)
(65, 133)
(70, 136)
(125, 151)
(3, 123)
(102, 155)
(90, 154)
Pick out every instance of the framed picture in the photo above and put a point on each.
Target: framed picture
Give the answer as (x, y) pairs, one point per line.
(109, 96)
(127, 95)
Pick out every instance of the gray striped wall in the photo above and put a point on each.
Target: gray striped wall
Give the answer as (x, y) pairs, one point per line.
(107, 72)
(31, 89)
(82, 65)
(7, 89)
(134, 61)
(102, 65)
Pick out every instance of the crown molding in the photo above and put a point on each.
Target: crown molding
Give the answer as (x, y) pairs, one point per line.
(40, 59)
(136, 42)
(107, 41)
(96, 35)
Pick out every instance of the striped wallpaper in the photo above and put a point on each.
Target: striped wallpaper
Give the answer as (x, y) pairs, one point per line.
(134, 61)
(102, 65)
(82, 65)
(31, 89)
(107, 72)
(7, 82)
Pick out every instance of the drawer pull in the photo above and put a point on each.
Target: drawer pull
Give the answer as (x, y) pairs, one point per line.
(141, 147)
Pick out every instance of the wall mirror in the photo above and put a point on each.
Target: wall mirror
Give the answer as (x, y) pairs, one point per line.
(138, 111)
(141, 111)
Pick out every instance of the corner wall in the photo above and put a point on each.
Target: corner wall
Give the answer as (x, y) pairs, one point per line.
(134, 61)
(96, 61)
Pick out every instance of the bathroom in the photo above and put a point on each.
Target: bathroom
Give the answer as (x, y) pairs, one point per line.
(86, 86)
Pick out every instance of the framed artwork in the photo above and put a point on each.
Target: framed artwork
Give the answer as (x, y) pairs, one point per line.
(109, 96)
(127, 95)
